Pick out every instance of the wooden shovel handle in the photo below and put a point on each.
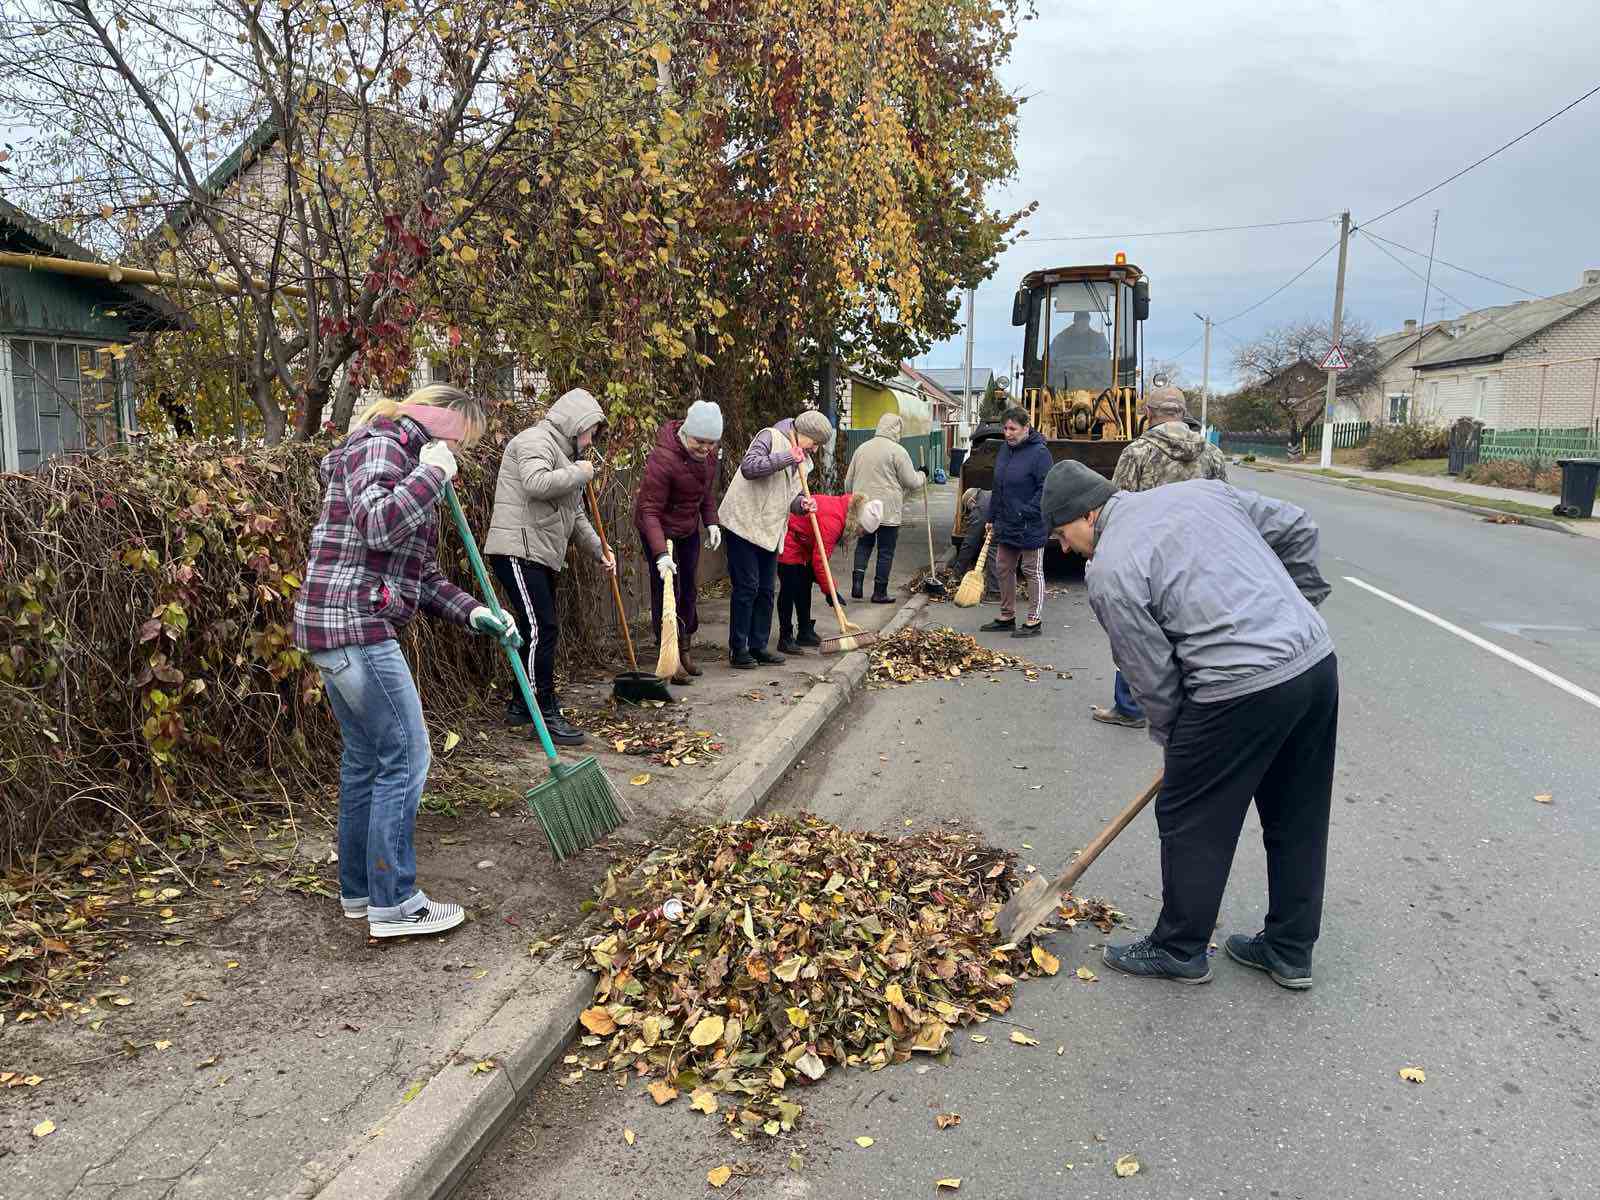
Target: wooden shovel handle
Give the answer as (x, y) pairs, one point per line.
(1079, 865)
(616, 591)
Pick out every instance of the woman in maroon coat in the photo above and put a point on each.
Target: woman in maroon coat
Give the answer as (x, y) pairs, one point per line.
(675, 497)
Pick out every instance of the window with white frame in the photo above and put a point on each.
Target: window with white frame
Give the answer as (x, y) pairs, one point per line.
(1481, 398)
(59, 397)
(1399, 407)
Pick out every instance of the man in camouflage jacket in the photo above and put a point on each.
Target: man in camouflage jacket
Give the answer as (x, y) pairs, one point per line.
(1167, 452)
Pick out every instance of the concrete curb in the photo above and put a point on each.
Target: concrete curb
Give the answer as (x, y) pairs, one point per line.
(425, 1149)
(1350, 485)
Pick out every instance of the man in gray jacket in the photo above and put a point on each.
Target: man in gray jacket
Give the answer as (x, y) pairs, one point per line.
(1209, 597)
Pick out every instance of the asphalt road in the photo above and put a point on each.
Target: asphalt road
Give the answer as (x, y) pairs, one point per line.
(1460, 934)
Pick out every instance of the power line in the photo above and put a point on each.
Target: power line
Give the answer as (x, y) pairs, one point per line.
(1272, 295)
(1498, 150)
(1120, 237)
(1467, 307)
(1475, 274)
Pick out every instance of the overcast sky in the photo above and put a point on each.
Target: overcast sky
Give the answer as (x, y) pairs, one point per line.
(1150, 115)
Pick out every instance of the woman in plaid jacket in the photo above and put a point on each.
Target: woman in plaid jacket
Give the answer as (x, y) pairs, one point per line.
(373, 563)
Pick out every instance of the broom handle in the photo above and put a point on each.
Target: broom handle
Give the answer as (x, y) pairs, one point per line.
(983, 555)
(816, 532)
(616, 592)
(492, 602)
(928, 521)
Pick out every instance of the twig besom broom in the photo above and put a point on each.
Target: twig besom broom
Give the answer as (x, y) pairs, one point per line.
(851, 636)
(668, 663)
(971, 590)
(577, 805)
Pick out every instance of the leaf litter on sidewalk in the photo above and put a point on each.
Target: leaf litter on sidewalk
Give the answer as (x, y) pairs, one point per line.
(796, 948)
(914, 655)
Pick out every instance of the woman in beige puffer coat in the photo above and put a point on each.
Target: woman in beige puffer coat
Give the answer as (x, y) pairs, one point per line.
(538, 509)
(881, 470)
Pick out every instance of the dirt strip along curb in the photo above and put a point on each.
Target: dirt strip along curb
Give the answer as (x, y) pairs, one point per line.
(1349, 485)
(424, 1150)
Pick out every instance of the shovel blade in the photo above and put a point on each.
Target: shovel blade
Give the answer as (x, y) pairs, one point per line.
(635, 687)
(1026, 910)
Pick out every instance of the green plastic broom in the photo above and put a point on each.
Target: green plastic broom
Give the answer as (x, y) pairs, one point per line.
(577, 805)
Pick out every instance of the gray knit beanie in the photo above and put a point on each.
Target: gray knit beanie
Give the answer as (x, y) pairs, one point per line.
(1071, 490)
(813, 425)
(704, 421)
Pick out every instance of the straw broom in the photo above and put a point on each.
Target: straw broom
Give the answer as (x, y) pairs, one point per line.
(852, 636)
(971, 589)
(668, 663)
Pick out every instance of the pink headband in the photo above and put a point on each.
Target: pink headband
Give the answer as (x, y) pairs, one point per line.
(447, 424)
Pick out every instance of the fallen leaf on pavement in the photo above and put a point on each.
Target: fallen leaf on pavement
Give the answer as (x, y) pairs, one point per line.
(452, 739)
(947, 1120)
(1086, 975)
(1544, 798)
(206, 1062)
(1413, 1075)
(708, 1032)
(718, 1176)
(597, 1020)
(483, 1067)
(978, 1037)
(662, 1092)
(641, 779)
(864, 1142)
(1046, 962)
(412, 1092)
(795, 1161)
(162, 1044)
(1125, 1166)
(949, 1185)
(44, 1128)
(1023, 1039)
(703, 1100)
(627, 1136)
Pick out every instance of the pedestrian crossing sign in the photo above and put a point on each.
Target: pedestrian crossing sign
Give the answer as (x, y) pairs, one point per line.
(1335, 360)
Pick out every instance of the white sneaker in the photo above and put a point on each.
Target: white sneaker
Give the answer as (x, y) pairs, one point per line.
(432, 917)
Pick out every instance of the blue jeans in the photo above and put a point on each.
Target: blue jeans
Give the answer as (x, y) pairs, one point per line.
(1122, 698)
(755, 582)
(385, 764)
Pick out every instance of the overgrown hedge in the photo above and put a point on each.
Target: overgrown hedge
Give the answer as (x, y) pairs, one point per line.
(146, 667)
(1393, 444)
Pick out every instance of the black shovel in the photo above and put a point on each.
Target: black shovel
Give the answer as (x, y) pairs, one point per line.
(635, 686)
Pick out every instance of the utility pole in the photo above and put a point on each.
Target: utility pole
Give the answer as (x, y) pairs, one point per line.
(1205, 379)
(971, 409)
(1338, 329)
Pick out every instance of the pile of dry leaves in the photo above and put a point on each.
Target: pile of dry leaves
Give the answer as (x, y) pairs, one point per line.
(913, 655)
(660, 739)
(762, 954)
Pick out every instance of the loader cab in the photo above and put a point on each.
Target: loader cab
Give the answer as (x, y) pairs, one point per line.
(1081, 329)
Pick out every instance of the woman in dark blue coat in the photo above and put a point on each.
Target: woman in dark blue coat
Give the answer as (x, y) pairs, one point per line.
(1018, 523)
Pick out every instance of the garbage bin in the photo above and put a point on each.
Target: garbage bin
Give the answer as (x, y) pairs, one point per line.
(1579, 479)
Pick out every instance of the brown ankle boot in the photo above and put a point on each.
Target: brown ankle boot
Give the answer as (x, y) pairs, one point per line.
(686, 662)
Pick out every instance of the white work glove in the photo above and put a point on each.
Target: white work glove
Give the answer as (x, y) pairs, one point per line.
(714, 536)
(483, 620)
(666, 567)
(608, 563)
(437, 454)
(586, 469)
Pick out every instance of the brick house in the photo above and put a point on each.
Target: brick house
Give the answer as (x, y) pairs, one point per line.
(1535, 364)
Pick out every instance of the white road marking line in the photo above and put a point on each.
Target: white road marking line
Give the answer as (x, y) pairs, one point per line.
(1566, 685)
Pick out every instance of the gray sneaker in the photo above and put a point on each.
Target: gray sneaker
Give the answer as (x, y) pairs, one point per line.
(354, 907)
(1254, 952)
(1144, 957)
(432, 917)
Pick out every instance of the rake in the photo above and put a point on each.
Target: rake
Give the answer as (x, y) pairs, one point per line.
(577, 805)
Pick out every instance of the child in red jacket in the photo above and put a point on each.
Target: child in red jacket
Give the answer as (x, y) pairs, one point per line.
(800, 562)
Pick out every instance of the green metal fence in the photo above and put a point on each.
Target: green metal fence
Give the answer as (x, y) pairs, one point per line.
(1539, 445)
(1346, 435)
(927, 452)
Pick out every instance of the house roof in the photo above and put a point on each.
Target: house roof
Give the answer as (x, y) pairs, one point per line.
(239, 160)
(922, 377)
(25, 233)
(954, 379)
(1505, 328)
